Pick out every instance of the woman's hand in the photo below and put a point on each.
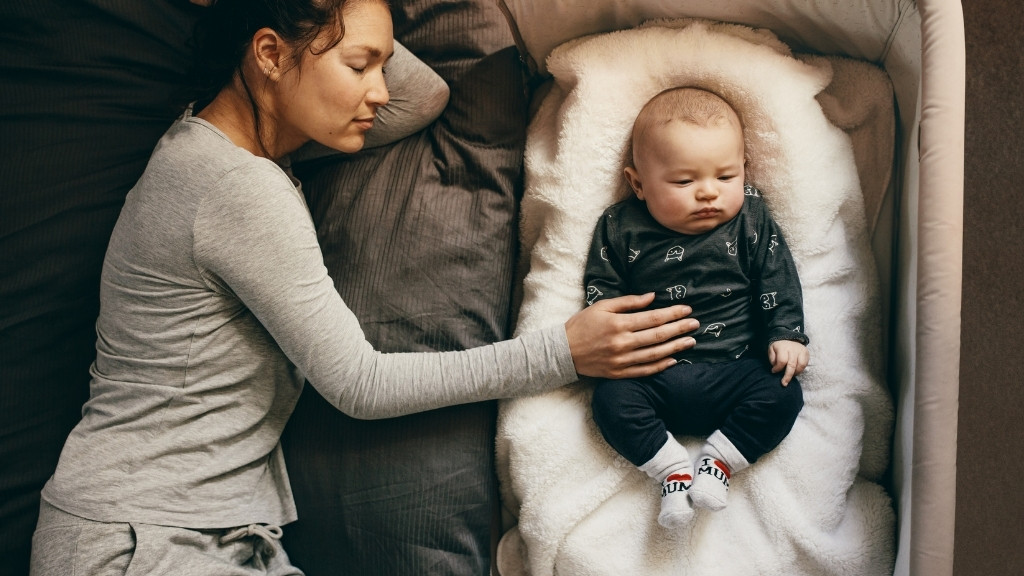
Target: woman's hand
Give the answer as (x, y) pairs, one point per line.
(609, 340)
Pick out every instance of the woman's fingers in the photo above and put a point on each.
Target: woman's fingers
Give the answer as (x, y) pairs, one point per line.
(609, 340)
(662, 326)
(650, 326)
(625, 303)
(651, 360)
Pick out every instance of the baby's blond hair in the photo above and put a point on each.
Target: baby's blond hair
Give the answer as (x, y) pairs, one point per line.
(690, 105)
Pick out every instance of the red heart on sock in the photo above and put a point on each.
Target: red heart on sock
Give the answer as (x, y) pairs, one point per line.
(721, 465)
(678, 478)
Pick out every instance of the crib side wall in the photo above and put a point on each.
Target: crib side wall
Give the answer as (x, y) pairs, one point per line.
(937, 298)
(903, 64)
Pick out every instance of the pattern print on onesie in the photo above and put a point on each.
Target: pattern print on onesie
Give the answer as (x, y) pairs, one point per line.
(768, 300)
(677, 292)
(715, 329)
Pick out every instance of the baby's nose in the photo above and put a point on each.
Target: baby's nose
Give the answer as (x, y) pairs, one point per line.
(707, 192)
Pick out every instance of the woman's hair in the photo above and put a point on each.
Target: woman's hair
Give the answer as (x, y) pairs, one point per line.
(224, 31)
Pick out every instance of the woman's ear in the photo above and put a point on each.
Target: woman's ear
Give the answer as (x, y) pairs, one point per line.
(268, 50)
(633, 177)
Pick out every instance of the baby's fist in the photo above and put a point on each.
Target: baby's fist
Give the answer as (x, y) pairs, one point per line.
(790, 356)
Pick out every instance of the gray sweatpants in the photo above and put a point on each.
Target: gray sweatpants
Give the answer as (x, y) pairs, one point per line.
(68, 545)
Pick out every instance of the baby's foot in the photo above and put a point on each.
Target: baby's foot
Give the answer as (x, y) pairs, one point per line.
(675, 506)
(711, 486)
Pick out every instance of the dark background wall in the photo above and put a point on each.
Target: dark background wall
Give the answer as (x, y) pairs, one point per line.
(990, 468)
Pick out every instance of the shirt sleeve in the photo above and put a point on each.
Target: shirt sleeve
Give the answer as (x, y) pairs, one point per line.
(776, 284)
(254, 238)
(605, 272)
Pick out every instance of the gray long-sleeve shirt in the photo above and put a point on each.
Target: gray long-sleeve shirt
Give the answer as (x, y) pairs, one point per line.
(215, 306)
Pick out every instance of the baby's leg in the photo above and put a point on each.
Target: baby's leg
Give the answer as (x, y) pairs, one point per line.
(756, 425)
(626, 413)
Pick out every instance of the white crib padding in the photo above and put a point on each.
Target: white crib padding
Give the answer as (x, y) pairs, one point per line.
(813, 506)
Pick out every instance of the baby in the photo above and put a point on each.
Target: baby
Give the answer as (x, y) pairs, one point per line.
(695, 233)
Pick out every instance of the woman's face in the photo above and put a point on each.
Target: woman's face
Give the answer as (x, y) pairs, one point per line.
(332, 97)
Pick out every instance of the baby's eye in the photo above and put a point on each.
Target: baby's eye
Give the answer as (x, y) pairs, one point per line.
(684, 182)
(727, 177)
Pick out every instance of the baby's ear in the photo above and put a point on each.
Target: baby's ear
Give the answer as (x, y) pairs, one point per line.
(633, 178)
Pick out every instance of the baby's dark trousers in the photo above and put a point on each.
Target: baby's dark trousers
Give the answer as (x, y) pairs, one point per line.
(742, 398)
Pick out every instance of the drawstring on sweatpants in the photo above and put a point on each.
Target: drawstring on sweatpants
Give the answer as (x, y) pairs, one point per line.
(268, 532)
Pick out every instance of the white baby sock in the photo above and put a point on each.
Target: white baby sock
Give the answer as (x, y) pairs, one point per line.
(718, 461)
(671, 467)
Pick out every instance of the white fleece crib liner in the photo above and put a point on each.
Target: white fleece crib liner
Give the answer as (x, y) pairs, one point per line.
(813, 506)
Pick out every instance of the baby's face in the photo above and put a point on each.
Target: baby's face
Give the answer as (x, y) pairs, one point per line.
(690, 176)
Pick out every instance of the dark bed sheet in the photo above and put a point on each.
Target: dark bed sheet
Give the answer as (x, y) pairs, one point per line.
(420, 238)
(85, 92)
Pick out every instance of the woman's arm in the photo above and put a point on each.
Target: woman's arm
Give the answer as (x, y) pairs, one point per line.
(256, 238)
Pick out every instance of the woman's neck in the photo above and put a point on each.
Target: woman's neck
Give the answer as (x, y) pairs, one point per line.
(231, 112)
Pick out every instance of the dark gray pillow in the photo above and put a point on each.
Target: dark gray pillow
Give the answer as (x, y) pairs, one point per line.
(420, 237)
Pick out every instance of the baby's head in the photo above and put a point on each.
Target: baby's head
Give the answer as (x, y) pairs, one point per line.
(688, 160)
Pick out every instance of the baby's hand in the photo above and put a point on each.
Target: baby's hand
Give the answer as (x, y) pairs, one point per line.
(789, 356)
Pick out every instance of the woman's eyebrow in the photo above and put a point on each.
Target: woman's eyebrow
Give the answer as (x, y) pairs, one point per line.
(372, 51)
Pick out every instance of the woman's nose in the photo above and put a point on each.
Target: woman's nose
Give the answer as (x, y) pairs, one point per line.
(378, 94)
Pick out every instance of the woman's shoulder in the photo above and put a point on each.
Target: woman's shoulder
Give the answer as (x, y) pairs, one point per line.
(197, 156)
